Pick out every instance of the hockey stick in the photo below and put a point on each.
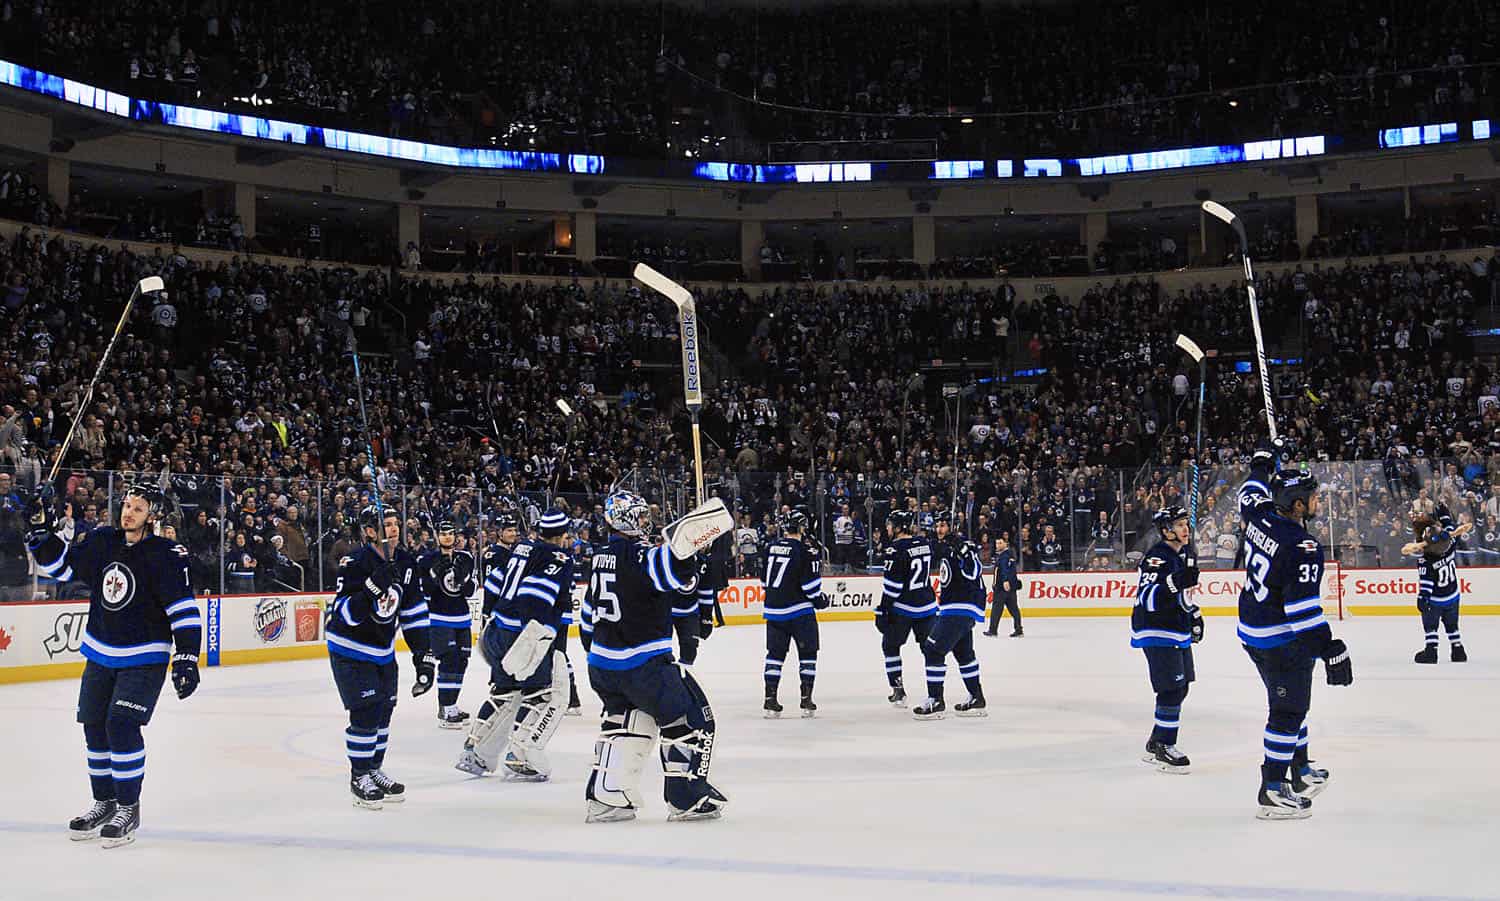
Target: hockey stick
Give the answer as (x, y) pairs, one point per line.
(359, 388)
(1196, 352)
(1227, 216)
(567, 413)
(687, 323)
(148, 285)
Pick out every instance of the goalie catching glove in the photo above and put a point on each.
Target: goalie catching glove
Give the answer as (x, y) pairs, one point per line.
(531, 647)
(698, 529)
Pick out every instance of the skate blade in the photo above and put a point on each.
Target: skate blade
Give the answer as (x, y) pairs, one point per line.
(809, 714)
(471, 769)
(772, 714)
(362, 804)
(83, 835)
(395, 799)
(1312, 791)
(687, 816)
(927, 716)
(974, 714)
(1151, 761)
(1282, 813)
(457, 724)
(573, 711)
(609, 814)
(120, 842)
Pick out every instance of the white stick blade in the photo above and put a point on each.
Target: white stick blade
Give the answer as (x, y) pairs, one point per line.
(1191, 347)
(564, 407)
(151, 283)
(663, 285)
(1219, 211)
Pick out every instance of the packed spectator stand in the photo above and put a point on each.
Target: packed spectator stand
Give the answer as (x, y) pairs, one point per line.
(234, 391)
(741, 81)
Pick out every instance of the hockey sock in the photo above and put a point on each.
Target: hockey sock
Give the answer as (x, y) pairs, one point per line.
(361, 737)
(1165, 725)
(808, 670)
(127, 759)
(969, 671)
(382, 736)
(936, 676)
(773, 673)
(1300, 755)
(1284, 729)
(101, 776)
(893, 669)
(1432, 638)
(486, 710)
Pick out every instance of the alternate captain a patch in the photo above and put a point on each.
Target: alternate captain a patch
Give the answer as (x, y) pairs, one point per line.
(116, 586)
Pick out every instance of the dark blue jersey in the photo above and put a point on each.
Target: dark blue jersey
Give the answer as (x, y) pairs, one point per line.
(536, 584)
(496, 558)
(793, 579)
(141, 603)
(446, 581)
(372, 597)
(626, 617)
(1282, 599)
(1163, 614)
(961, 580)
(1437, 571)
(907, 587)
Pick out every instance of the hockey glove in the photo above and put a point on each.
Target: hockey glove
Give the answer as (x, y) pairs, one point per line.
(41, 517)
(1197, 627)
(705, 622)
(880, 621)
(1336, 663)
(1423, 605)
(820, 602)
(184, 674)
(426, 672)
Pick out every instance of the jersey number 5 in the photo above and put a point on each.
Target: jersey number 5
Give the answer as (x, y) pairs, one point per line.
(606, 602)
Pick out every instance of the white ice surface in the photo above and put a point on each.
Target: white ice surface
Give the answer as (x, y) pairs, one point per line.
(246, 787)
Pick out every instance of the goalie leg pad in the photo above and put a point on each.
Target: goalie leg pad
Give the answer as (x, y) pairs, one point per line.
(487, 736)
(687, 750)
(536, 722)
(614, 789)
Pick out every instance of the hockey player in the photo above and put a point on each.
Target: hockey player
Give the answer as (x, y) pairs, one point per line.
(907, 604)
(1164, 625)
(1437, 584)
(793, 585)
(628, 633)
(495, 558)
(446, 577)
(1282, 626)
(960, 607)
(142, 619)
(528, 671)
(375, 591)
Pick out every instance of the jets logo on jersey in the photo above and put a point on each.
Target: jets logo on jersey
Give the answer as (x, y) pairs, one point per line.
(385, 608)
(1154, 561)
(117, 586)
(1309, 545)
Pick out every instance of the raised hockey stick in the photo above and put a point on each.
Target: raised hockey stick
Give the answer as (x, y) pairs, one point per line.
(359, 388)
(692, 386)
(148, 285)
(1227, 216)
(1193, 350)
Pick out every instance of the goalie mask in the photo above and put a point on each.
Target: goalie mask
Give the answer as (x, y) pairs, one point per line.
(627, 513)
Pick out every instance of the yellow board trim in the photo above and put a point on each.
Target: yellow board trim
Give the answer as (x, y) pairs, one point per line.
(44, 671)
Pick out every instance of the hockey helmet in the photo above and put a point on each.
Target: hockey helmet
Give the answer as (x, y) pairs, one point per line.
(444, 524)
(370, 516)
(903, 521)
(1289, 486)
(794, 521)
(507, 519)
(1166, 516)
(627, 513)
(156, 502)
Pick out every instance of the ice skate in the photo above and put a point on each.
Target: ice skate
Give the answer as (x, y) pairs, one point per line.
(1279, 802)
(366, 793)
(85, 826)
(1166, 758)
(1426, 655)
(453, 718)
(394, 791)
(1309, 781)
(120, 830)
(1457, 654)
(973, 707)
(929, 709)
